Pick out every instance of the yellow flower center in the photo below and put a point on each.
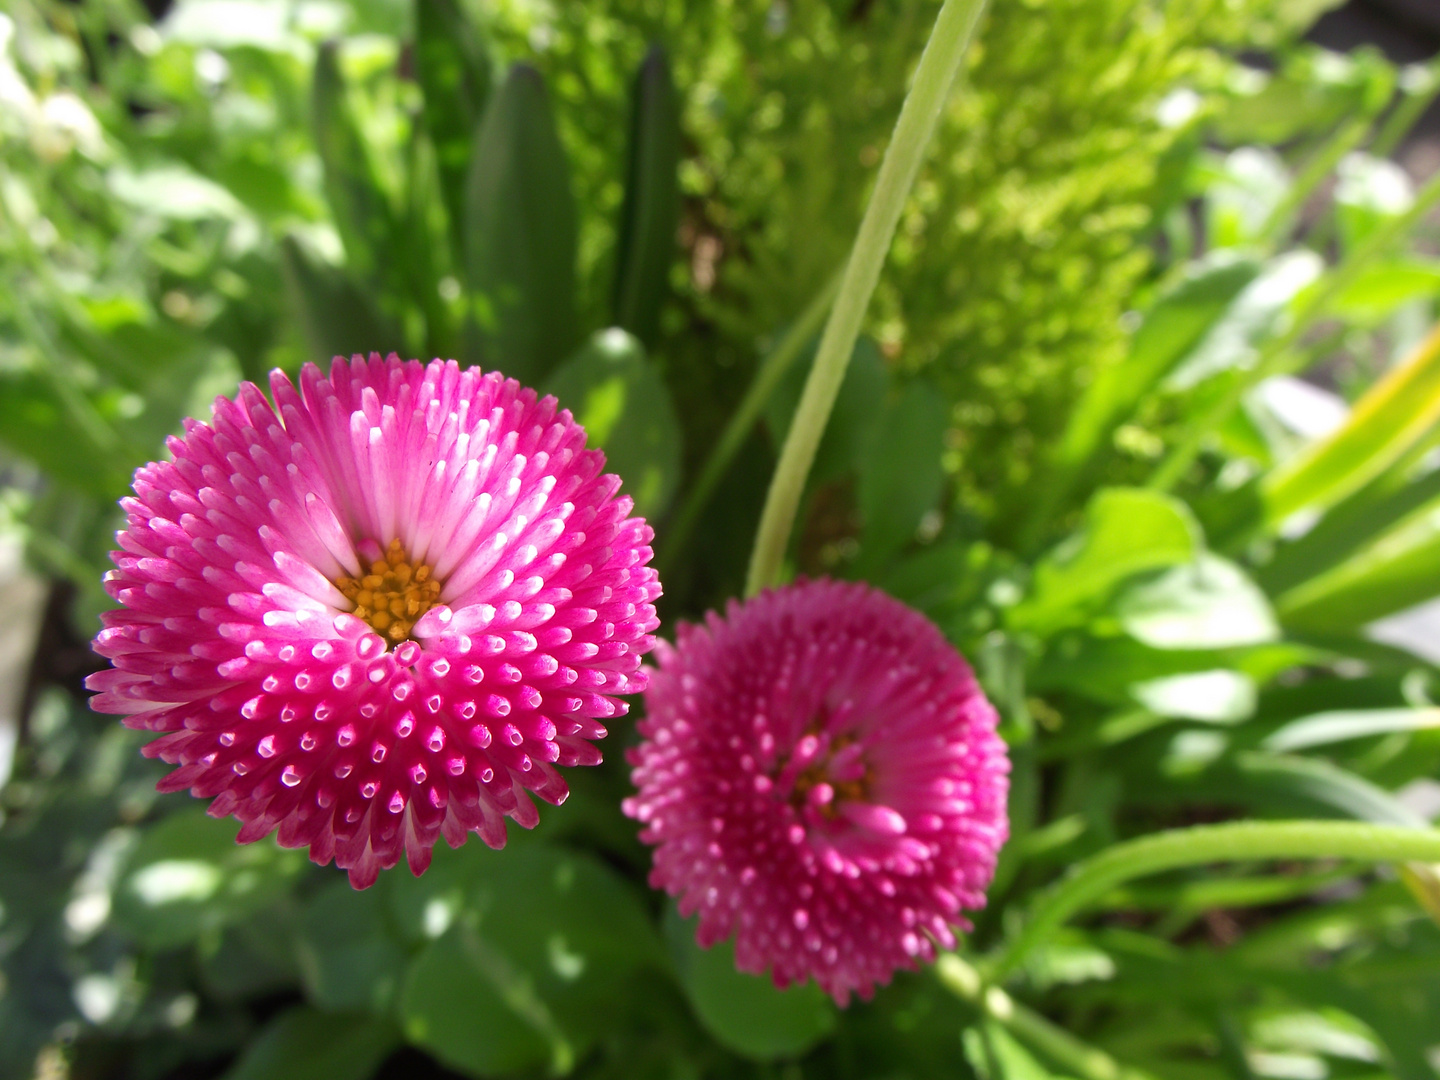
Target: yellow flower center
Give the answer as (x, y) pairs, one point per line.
(393, 594)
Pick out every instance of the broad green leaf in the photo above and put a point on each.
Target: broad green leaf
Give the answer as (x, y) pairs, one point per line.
(304, 1044)
(188, 876)
(746, 1013)
(336, 316)
(452, 63)
(173, 191)
(616, 394)
(1216, 697)
(1327, 728)
(350, 957)
(359, 205)
(1396, 570)
(530, 960)
(900, 470)
(1127, 531)
(229, 24)
(1387, 420)
(1206, 604)
(520, 234)
(651, 211)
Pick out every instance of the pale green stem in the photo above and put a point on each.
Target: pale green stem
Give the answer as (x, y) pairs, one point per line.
(934, 76)
(1311, 174)
(767, 377)
(1241, 840)
(1054, 1042)
(1423, 89)
(1311, 305)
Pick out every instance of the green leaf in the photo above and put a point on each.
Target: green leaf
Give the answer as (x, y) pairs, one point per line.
(901, 476)
(520, 234)
(1219, 696)
(1127, 531)
(349, 955)
(1388, 419)
(1209, 603)
(188, 876)
(452, 63)
(1381, 288)
(1319, 784)
(173, 191)
(1369, 191)
(1398, 569)
(533, 952)
(1256, 314)
(651, 211)
(1351, 522)
(336, 316)
(303, 1044)
(361, 210)
(1173, 326)
(1342, 725)
(616, 394)
(746, 1013)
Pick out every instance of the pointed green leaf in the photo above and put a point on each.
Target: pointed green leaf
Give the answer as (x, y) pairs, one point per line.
(1386, 421)
(1174, 325)
(452, 63)
(901, 475)
(337, 318)
(361, 210)
(1328, 728)
(1398, 569)
(651, 210)
(616, 394)
(520, 234)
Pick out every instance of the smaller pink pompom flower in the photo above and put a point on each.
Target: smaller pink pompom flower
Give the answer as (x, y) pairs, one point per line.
(821, 777)
(380, 611)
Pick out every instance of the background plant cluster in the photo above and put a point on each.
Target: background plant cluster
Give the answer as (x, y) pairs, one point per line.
(1072, 436)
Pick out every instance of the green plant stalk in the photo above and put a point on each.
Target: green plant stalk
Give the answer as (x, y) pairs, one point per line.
(1272, 355)
(939, 64)
(1404, 116)
(772, 369)
(1311, 174)
(1242, 840)
(1055, 1043)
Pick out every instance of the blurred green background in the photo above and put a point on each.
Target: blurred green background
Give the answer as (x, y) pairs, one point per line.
(1146, 417)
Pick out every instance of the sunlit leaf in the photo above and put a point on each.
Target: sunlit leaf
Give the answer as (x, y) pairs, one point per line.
(746, 1013)
(616, 394)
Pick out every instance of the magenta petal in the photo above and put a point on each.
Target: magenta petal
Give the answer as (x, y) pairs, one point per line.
(292, 713)
(821, 779)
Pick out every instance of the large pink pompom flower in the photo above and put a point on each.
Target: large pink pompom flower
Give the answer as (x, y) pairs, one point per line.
(821, 777)
(378, 612)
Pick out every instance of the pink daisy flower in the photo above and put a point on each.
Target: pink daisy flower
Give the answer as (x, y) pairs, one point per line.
(379, 612)
(822, 778)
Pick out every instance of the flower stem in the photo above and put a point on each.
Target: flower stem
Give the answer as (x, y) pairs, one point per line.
(1206, 844)
(767, 377)
(934, 76)
(1054, 1042)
